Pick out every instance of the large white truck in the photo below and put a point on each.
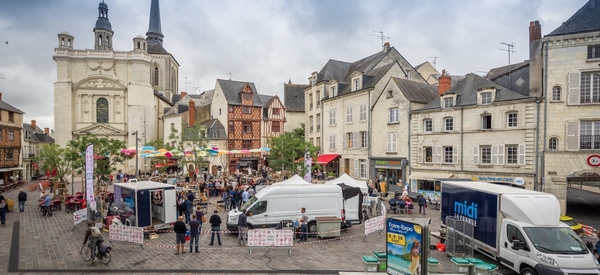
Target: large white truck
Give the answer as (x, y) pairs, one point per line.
(520, 228)
(276, 203)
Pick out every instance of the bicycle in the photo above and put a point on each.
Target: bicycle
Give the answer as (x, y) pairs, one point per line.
(103, 254)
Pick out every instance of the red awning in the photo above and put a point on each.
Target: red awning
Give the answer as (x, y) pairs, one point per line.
(327, 158)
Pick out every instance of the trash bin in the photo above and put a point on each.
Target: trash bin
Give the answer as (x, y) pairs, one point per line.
(382, 257)
(328, 227)
(432, 265)
(485, 269)
(474, 261)
(460, 265)
(371, 264)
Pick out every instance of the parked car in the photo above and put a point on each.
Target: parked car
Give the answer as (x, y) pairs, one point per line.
(573, 224)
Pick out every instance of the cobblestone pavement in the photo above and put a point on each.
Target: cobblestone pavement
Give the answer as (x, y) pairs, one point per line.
(33, 244)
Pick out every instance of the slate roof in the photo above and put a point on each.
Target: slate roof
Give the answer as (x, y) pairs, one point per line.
(212, 126)
(161, 96)
(231, 89)
(466, 91)
(38, 134)
(371, 78)
(182, 105)
(266, 100)
(156, 48)
(293, 97)
(7, 107)
(415, 91)
(586, 19)
(518, 80)
(333, 70)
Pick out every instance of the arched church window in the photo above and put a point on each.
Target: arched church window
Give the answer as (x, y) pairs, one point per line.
(102, 110)
(155, 82)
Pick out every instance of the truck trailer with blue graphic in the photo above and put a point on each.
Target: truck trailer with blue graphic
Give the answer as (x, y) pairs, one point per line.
(520, 228)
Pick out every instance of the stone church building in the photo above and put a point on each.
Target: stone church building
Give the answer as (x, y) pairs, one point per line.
(114, 93)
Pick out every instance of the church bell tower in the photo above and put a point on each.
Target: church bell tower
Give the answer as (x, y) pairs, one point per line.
(102, 31)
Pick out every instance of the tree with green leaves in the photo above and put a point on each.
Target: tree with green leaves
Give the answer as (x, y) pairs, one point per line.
(52, 157)
(192, 138)
(107, 154)
(288, 150)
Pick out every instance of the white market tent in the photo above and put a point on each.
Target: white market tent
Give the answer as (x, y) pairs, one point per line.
(292, 181)
(348, 180)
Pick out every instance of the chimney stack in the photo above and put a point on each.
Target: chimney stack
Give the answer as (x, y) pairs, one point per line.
(444, 83)
(192, 113)
(47, 130)
(386, 47)
(33, 125)
(535, 31)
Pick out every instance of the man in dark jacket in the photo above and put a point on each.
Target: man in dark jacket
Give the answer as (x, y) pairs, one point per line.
(22, 199)
(215, 227)
(237, 198)
(180, 230)
(242, 228)
(187, 209)
(194, 232)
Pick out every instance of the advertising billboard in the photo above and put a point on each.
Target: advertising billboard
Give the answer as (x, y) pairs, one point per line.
(404, 245)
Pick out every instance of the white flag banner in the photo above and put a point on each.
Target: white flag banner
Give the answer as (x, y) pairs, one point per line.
(89, 177)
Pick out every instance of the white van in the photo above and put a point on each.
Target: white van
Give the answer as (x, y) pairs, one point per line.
(276, 203)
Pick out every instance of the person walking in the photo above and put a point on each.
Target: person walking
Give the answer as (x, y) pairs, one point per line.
(242, 228)
(225, 197)
(47, 205)
(215, 227)
(194, 232)
(180, 230)
(22, 198)
(422, 203)
(3, 212)
(303, 225)
(92, 234)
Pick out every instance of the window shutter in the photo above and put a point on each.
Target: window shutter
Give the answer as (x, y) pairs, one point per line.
(455, 154)
(343, 141)
(356, 168)
(395, 142)
(574, 93)
(475, 154)
(501, 154)
(438, 154)
(494, 154)
(572, 136)
(355, 140)
(388, 143)
(521, 159)
(420, 154)
(367, 139)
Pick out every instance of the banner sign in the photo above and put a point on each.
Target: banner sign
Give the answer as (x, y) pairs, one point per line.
(374, 224)
(89, 177)
(79, 216)
(123, 233)
(270, 237)
(308, 166)
(403, 246)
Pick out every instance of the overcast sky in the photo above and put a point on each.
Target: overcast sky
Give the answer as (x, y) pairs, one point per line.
(267, 42)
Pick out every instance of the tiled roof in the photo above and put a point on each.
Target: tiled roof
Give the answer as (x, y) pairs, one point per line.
(518, 80)
(7, 107)
(156, 48)
(214, 126)
(415, 91)
(231, 89)
(586, 19)
(293, 97)
(182, 105)
(466, 91)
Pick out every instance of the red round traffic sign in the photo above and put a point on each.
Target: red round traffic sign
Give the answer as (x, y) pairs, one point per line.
(593, 160)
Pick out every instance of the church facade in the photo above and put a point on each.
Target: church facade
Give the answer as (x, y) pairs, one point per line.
(113, 93)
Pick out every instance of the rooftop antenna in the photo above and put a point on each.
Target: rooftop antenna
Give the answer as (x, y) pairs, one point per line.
(196, 88)
(186, 83)
(509, 50)
(434, 61)
(380, 36)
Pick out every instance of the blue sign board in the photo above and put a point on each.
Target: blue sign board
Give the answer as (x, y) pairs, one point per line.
(473, 207)
(403, 246)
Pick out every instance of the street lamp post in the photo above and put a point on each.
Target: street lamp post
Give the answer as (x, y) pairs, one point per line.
(135, 133)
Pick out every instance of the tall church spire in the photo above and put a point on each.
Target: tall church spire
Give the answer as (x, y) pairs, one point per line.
(103, 31)
(154, 34)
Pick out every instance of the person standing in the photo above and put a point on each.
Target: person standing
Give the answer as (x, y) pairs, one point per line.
(180, 229)
(22, 198)
(303, 225)
(92, 234)
(245, 196)
(237, 198)
(242, 228)
(215, 227)
(422, 203)
(187, 209)
(47, 205)
(2, 212)
(194, 232)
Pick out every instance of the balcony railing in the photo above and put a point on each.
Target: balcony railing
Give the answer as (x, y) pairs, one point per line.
(589, 142)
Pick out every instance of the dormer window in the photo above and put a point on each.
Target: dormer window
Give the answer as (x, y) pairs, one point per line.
(486, 98)
(246, 97)
(356, 84)
(331, 91)
(448, 102)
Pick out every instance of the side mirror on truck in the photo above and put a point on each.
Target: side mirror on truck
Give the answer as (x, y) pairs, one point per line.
(518, 245)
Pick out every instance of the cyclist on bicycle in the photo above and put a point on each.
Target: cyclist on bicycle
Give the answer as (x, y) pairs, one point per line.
(93, 234)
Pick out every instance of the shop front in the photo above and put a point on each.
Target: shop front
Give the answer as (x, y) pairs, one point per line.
(330, 164)
(427, 183)
(389, 171)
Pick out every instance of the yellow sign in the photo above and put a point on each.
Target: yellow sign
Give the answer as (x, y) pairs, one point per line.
(417, 229)
(396, 238)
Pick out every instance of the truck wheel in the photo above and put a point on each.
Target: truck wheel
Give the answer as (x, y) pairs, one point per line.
(528, 271)
(312, 229)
